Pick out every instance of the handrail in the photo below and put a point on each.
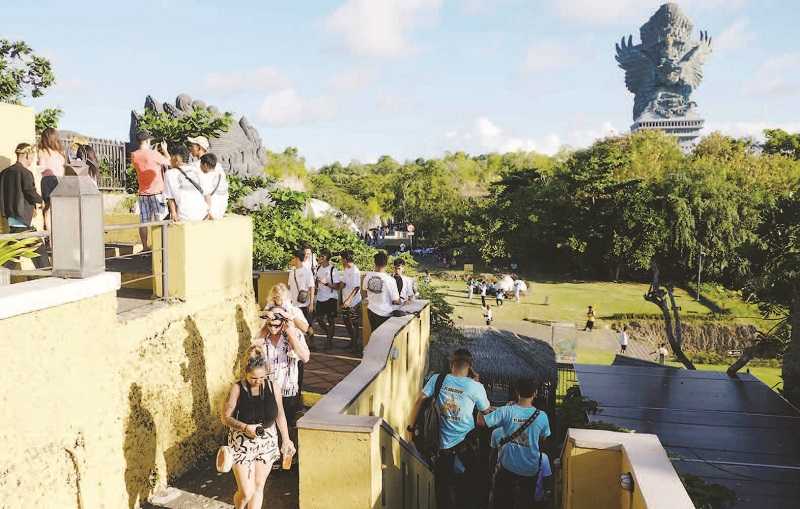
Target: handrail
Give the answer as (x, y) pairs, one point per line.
(23, 235)
(130, 226)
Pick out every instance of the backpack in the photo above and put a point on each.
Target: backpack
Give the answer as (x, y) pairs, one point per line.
(427, 437)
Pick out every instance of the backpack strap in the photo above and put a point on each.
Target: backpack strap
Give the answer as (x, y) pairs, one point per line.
(521, 429)
(195, 184)
(438, 387)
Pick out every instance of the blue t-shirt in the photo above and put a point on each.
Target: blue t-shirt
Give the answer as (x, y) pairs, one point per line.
(458, 398)
(520, 456)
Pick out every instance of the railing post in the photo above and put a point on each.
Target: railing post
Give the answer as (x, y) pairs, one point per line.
(164, 263)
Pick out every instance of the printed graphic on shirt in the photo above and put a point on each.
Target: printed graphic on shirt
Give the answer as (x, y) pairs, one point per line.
(523, 439)
(450, 409)
(375, 284)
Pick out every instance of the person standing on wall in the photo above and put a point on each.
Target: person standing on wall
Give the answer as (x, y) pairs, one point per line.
(520, 428)
(51, 163)
(215, 186)
(301, 289)
(327, 284)
(382, 293)
(19, 199)
(351, 301)
(252, 412)
(182, 189)
(149, 165)
(458, 456)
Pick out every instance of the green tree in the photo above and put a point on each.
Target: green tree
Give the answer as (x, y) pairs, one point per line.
(174, 130)
(22, 72)
(47, 118)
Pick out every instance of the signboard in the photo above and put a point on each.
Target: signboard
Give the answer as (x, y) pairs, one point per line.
(564, 340)
(469, 268)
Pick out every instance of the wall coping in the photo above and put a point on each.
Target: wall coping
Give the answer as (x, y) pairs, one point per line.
(653, 473)
(30, 296)
(328, 412)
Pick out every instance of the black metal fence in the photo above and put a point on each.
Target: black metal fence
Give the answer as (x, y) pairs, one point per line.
(566, 379)
(112, 159)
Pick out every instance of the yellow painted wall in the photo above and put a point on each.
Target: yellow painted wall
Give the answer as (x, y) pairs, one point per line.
(268, 279)
(126, 405)
(591, 478)
(395, 476)
(16, 126)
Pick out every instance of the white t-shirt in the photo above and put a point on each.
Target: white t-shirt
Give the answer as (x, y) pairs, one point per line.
(219, 193)
(189, 201)
(311, 263)
(483, 290)
(408, 289)
(352, 280)
(381, 291)
(324, 275)
(305, 280)
(488, 314)
(623, 338)
(662, 351)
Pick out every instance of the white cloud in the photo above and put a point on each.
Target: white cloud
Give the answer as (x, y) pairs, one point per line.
(547, 56)
(352, 80)
(749, 129)
(288, 108)
(738, 35)
(776, 77)
(379, 28)
(623, 11)
(261, 79)
(486, 136)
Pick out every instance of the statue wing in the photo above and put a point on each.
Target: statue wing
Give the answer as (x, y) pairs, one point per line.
(639, 69)
(692, 62)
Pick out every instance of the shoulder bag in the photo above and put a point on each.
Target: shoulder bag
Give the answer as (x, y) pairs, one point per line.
(302, 295)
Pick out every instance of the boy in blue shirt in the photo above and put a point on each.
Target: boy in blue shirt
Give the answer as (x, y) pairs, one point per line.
(520, 458)
(459, 396)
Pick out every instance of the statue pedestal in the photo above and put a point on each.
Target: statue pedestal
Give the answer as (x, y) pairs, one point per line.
(687, 130)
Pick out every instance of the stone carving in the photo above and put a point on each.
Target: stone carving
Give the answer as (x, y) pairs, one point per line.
(240, 150)
(666, 67)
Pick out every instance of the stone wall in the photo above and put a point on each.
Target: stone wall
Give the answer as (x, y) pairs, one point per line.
(706, 337)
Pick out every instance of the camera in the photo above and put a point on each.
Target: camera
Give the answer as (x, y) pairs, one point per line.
(260, 431)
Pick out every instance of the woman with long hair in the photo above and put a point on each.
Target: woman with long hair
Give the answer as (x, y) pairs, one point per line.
(87, 154)
(51, 163)
(252, 411)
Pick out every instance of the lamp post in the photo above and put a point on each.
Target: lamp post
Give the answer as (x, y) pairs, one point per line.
(699, 270)
(76, 232)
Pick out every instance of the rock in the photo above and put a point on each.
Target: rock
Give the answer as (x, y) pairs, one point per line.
(184, 103)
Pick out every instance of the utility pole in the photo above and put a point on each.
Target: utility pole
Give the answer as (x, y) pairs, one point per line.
(699, 270)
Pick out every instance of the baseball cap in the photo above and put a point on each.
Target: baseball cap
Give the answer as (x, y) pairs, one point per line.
(199, 140)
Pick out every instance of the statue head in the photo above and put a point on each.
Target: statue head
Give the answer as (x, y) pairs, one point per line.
(666, 37)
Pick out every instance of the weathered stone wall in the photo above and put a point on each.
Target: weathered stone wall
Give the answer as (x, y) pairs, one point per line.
(706, 337)
(100, 410)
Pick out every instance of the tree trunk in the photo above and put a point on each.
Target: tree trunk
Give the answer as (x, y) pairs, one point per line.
(791, 359)
(674, 331)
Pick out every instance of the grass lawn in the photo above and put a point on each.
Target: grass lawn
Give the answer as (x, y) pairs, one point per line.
(567, 302)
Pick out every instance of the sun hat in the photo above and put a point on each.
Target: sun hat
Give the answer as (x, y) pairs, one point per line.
(199, 140)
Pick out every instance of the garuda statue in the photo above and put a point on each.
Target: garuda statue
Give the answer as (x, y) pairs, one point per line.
(666, 67)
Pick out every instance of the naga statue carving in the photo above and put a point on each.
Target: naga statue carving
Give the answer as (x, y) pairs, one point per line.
(663, 71)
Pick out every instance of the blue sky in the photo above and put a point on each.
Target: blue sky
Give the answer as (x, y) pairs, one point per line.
(355, 79)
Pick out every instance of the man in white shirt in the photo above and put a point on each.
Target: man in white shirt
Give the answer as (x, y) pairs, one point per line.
(215, 186)
(301, 289)
(309, 260)
(182, 189)
(405, 284)
(327, 279)
(351, 301)
(382, 293)
(623, 339)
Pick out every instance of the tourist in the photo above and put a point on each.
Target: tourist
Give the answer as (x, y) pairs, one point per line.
(483, 288)
(499, 296)
(470, 288)
(382, 292)
(286, 350)
(149, 165)
(279, 295)
(182, 189)
(487, 314)
(327, 284)
(520, 428)
(19, 199)
(301, 288)
(517, 289)
(251, 412)
(457, 460)
(215, 186)
(350, 285)
(662, 353)
(405, 284)
(88, 157)
(309, 260)
(589, 320)
(623, 339)
(51, 161)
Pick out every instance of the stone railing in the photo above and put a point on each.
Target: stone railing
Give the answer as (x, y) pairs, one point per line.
(351, 451)
(609, 470)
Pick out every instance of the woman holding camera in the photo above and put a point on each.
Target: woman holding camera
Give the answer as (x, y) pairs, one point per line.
(251, 412)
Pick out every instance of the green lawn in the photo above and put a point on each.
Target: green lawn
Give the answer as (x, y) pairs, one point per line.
(568, 301)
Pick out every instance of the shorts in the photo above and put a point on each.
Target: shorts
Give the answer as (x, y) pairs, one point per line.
(152, 207)
(49, 184)
(327, 307)
(262, 449)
